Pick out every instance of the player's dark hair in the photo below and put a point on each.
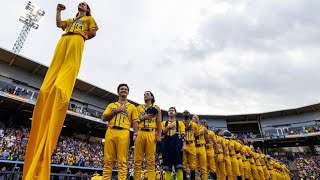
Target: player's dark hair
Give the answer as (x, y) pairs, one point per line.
(88, 13)
(123, 84)
(173, 108)
(153, 100)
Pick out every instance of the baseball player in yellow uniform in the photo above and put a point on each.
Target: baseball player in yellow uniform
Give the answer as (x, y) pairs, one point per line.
(252, 159)
(234, 148)
(201, 139)
(259, 165)
(246, 162)
(210, 150)
(221, 154)
(55, 93)
(173, 145)
(240, 156)
(271, 167)
(148, 134)
(228, 166)
(263, 160)
(189, 156)
(120, 116)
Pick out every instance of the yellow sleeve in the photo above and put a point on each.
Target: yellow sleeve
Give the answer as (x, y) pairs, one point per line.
(92, 24)
(134, 115)
(214, 136)
(108, 109)
(68, 21)
(195, 128)
(163, 124)
(182, 127)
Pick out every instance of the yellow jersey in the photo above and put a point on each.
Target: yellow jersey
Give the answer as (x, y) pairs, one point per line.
(173, 131)
(191, 129)
(258, 159)
(247, 152)
(232, 146)
(262, 159)
(220, 144)
(213, 139)
(149, 124)
(123, 119)
(270, 164)
(80, 25)
(227, 144)
(200, 140)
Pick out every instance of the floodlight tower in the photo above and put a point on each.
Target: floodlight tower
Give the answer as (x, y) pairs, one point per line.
(30, 20)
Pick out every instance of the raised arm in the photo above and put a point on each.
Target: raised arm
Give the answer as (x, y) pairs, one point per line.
(61, 24)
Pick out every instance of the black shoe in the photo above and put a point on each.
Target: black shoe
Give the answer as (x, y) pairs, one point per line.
(184, 175)
(239, 178)
(213, 176)
(193, 175)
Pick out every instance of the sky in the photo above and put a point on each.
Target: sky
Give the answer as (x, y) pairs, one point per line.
(219, 57)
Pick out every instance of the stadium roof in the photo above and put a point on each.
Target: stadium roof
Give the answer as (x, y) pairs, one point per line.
(33, 67)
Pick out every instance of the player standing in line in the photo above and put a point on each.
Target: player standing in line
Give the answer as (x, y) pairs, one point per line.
(201, 139)
(120, 116)
(263, 161)
(247, 164)
(233, 147)
(240, 156)
(259, 165)
(271, 167)
(210, 150)
(227, 136)
(189, 156)
(173, 145)
(55, 93)
(221, 154)
(253, 160)
(148, 134)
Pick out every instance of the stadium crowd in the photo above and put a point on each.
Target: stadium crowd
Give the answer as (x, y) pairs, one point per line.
(69, 151)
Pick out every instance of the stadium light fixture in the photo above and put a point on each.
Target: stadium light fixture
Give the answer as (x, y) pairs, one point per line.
(30, 20)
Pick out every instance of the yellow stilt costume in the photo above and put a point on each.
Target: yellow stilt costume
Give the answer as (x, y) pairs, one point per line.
(53, 99)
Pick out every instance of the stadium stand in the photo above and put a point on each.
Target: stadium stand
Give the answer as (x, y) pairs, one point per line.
(80, 147)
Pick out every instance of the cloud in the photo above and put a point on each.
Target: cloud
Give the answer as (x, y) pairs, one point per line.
(211, 57)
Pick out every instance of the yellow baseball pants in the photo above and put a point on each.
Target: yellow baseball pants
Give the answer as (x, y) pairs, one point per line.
(229, 168)
(189, 157)
(266, 172)
(261, 173)
(241, 168)
(116, 145)
(254, 170)
(51, 107)
(145, 144)
(235, 166)
(273, 174)
(221, 170)
(247, 169)
(211, 161)
(202, 162)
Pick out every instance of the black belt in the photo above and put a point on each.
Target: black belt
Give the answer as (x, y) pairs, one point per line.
(117, 127)
(199, 145)
(189, 142)
(146, 129)
(237, 152)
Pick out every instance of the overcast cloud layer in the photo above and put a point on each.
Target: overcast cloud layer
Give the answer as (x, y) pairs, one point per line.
(208, 56)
